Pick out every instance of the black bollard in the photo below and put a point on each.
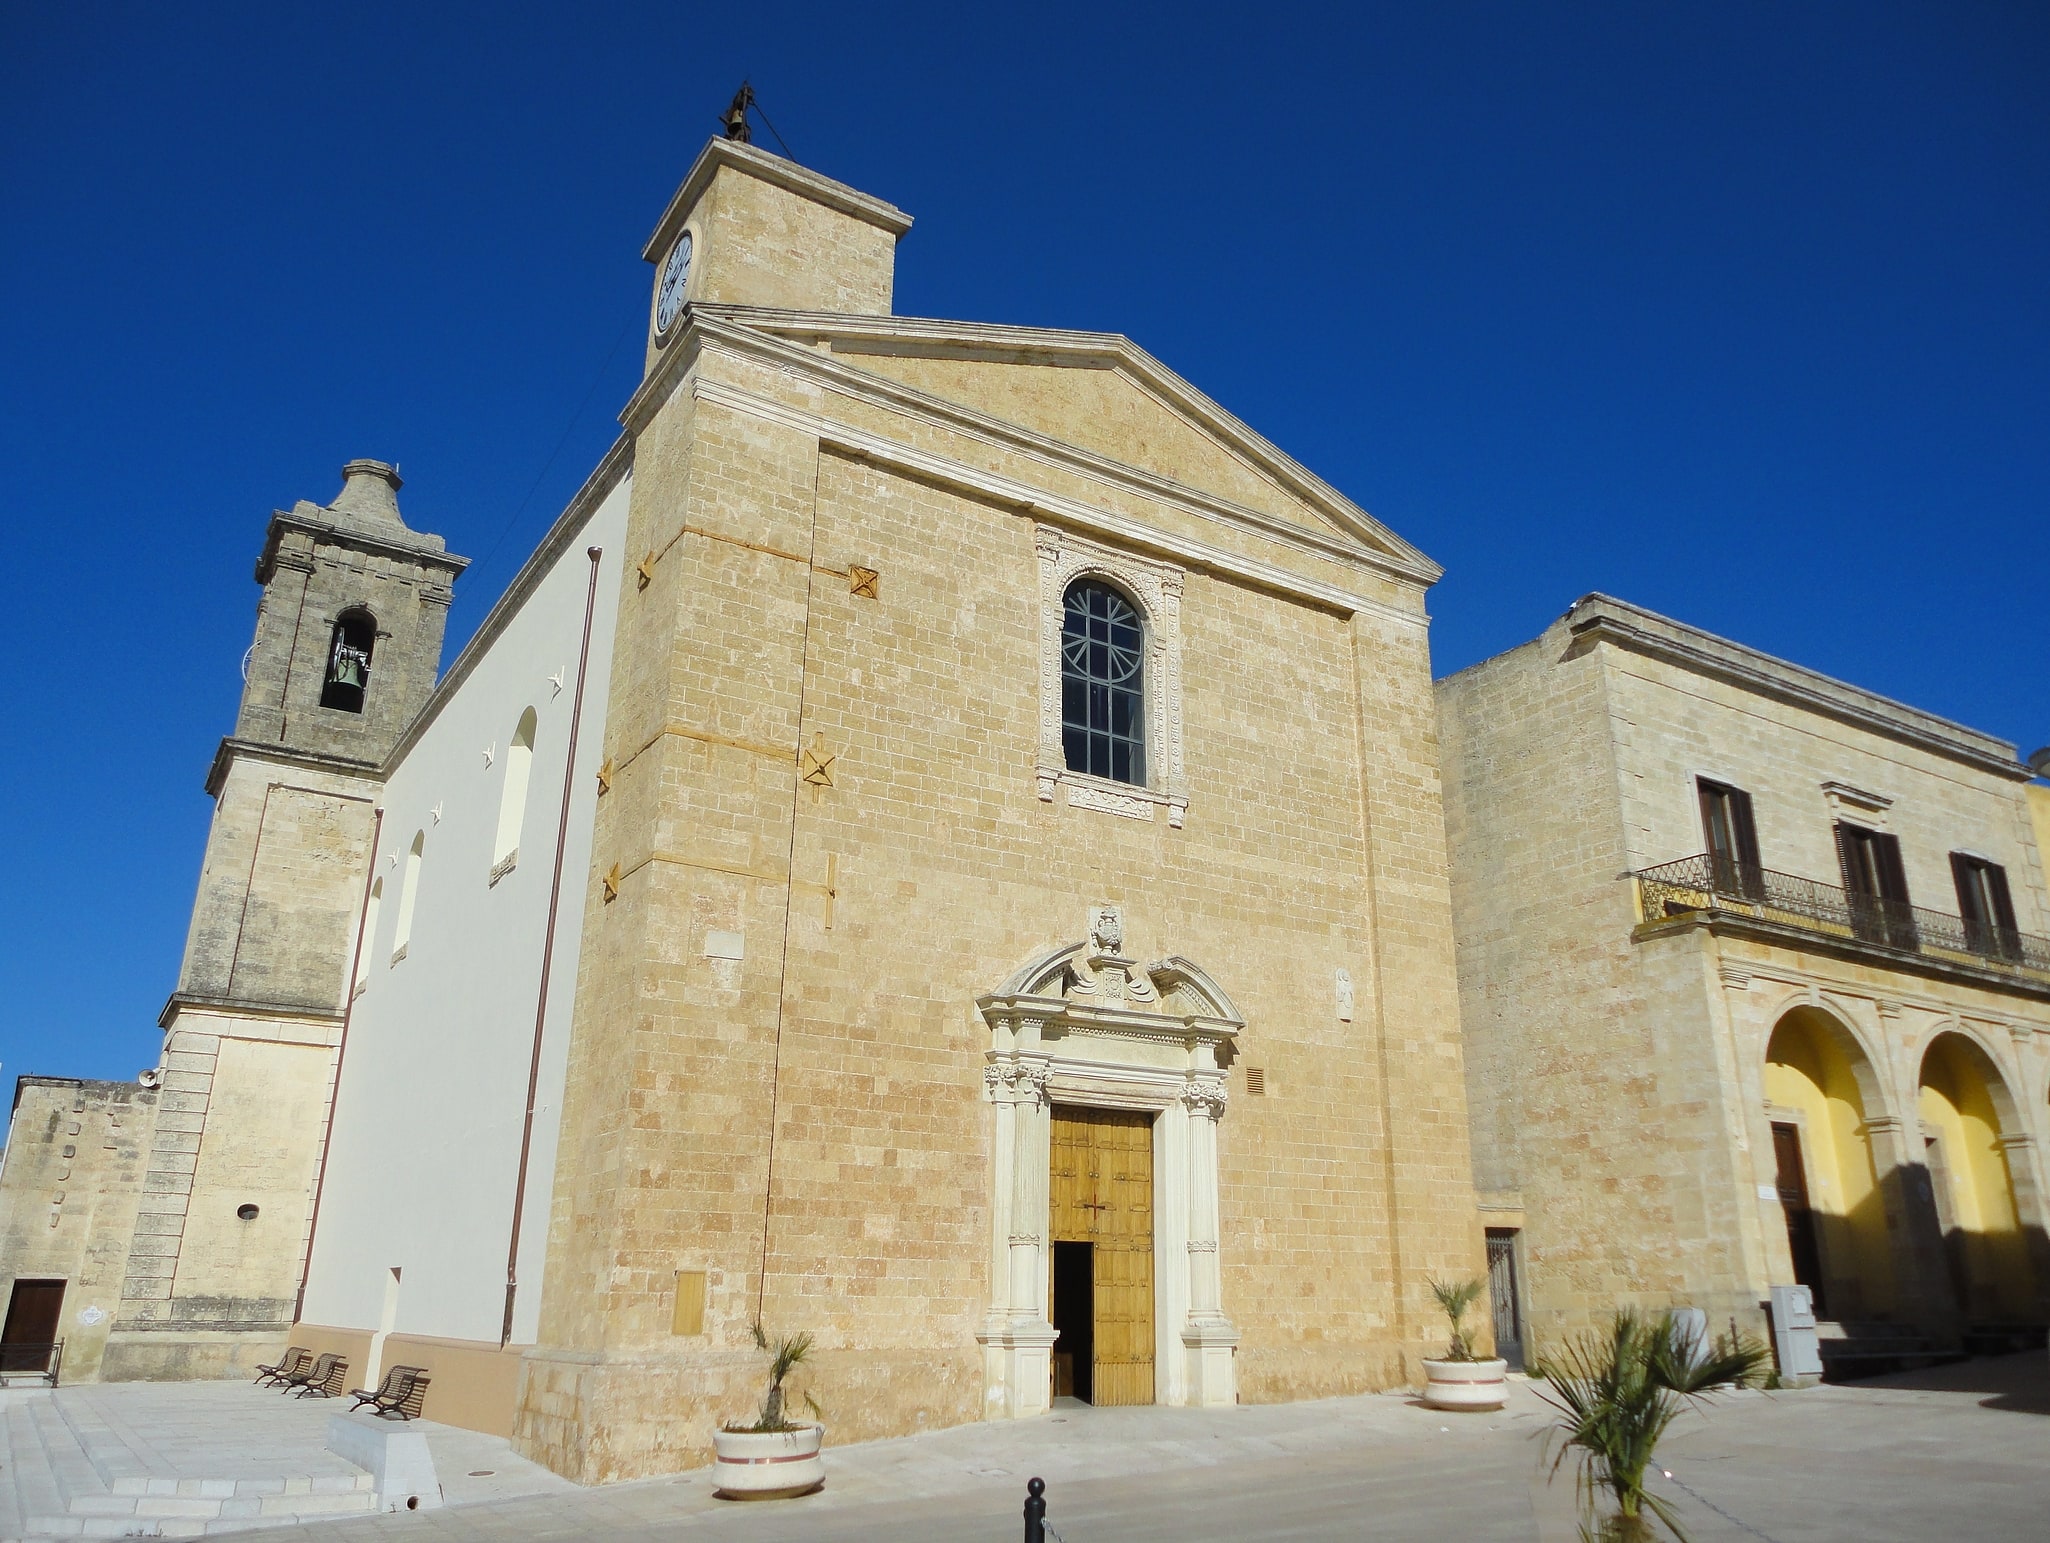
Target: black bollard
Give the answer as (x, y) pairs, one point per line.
(1035, 1511)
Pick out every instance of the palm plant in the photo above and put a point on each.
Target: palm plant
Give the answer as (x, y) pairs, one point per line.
(1617, 1391)
(784, 1357)
(1456, 1299)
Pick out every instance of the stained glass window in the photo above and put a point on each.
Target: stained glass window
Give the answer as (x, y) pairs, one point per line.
(1103, 656)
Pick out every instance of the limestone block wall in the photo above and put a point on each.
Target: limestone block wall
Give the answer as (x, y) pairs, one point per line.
(767, 232)
(1674, 725)
(76, 1152)
(281, 887)
(209, 1291)
(1590, 1109)
(776, 1072)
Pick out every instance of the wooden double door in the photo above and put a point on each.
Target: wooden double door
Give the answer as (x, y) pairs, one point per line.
(1101, 1280)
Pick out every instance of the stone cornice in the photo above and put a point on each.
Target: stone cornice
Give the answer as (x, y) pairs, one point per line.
(1798, 940)
(778, 172)
(233, 749)
(297, 1012)
(1364, 538)
(1037, 503)
(354, 535)
(612, 467)
(1601, 618)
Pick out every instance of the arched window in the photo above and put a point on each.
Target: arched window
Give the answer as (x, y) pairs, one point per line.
(348, 661)
(512, 798)
(409, 894)
(1103, 684)
(369, 938)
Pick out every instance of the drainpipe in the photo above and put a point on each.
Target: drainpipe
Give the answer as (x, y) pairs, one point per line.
(569, 768)
(341, 1053)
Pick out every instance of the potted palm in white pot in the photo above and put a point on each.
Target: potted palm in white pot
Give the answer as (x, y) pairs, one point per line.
(1460, 1379)
(1617, 1390)
(775, 1457)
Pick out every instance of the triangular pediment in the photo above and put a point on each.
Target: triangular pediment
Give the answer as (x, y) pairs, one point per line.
(1100, 395)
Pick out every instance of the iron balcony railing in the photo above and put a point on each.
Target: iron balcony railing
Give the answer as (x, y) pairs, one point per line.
(23, 1360)
(1701, 883)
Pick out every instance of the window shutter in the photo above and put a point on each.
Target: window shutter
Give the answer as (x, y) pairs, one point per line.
(1747, 842)
(2003, 902)
(1706, 792)
(1963, 872)
(1847, 858)
(1893, 877)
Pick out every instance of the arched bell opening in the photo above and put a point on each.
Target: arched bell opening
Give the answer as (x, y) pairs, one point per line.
(1823, 1094)
(349, 648)
(1968, 1122)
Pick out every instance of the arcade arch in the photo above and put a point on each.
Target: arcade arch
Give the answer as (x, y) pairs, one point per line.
(1823, 1095)
(1967, 1116)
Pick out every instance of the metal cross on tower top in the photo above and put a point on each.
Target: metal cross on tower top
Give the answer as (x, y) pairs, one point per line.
(735, 116)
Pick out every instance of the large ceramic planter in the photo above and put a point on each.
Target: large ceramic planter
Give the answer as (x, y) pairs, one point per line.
(768, 1465)
(1466, 1384)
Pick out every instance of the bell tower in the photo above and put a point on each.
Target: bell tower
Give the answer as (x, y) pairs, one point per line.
(348, 633)
(348, 644)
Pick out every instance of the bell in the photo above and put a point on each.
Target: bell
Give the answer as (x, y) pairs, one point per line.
(348, 671)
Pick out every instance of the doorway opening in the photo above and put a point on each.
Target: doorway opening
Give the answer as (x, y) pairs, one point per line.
(1074, 1315)
(1504, 1300)
(1102, 1275)
(1792, 1181)
(29, 1339)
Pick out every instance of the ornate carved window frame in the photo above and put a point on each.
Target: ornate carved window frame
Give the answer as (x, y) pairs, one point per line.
(1156, 588)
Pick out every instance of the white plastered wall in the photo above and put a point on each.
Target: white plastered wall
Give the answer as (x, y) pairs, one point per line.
(425, 1150)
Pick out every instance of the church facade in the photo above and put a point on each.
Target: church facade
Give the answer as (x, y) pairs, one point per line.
(939, 849)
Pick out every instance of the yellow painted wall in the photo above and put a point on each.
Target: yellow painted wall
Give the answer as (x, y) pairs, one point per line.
(1956, 1105)
(1809, 1070)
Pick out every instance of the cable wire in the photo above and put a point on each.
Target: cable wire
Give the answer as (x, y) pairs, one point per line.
(484, 562)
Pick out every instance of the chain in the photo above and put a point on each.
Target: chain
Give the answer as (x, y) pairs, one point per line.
(1741, 1525)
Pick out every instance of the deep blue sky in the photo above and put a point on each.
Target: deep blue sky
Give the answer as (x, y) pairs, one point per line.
(1741, 311)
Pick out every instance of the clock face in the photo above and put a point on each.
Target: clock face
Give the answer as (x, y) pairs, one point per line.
(675, 274)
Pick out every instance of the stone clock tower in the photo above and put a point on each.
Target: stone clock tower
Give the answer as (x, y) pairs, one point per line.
(348, 641)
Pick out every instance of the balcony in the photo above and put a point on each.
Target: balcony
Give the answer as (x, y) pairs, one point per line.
(1699, 888)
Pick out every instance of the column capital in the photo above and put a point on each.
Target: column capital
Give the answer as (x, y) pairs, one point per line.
(1205, 1097)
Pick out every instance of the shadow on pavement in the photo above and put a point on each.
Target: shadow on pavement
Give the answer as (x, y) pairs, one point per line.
(2020, 1383)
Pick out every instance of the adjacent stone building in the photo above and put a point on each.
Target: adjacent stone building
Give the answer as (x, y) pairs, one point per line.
(69, 1182)
(1755, 988)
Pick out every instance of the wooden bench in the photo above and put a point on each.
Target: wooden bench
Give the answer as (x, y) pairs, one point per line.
(401, 1392)
(295, 1359)
(323, 1381)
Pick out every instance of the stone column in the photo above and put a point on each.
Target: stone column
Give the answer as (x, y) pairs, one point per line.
(1018, 1340)
(2029, 1214)
(1921, 1269)
(1209, 1339)
(1031, 1156)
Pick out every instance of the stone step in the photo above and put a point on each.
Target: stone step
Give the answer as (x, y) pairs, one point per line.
(190, 1516)
(65, 1458)
(32, 1487)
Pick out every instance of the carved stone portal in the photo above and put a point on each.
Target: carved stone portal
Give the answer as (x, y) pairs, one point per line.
(1084, 1025)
